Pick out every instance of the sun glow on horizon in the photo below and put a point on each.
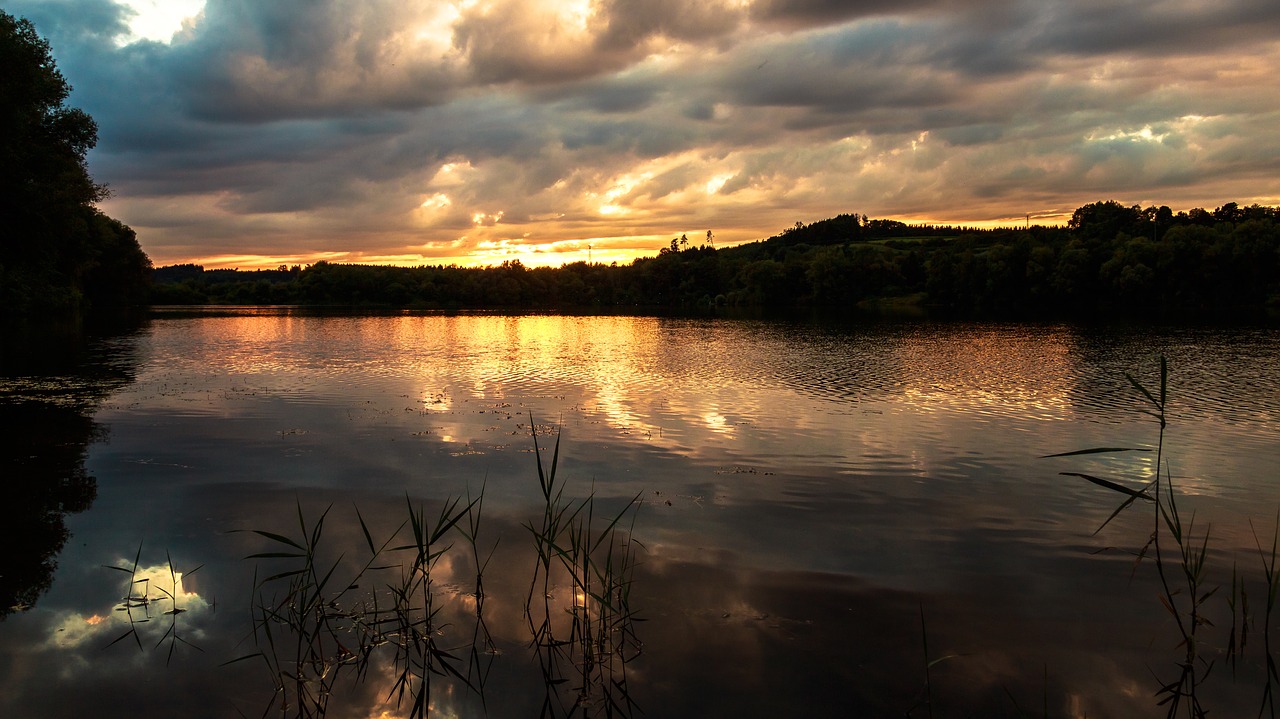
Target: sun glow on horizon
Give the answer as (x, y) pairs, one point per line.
(483, 253)
(490, 250)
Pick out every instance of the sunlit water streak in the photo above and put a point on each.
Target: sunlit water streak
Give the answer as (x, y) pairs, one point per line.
(885, 460)
(778, 423)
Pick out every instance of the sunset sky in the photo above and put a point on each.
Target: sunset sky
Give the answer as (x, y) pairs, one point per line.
(264, 132)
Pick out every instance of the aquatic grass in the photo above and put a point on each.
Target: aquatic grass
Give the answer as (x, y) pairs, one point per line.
(1186, 614)
(482, 643)
(1271, 575)
(928, 679)
(133, 600)
(174, 610)
(326, 634)
(927, 665)
(1238, 603)
(1185, 592)
(138, 595)
(310, 629)
(304, 622)
(314, 613)
(598, 565)
(471, 533)
(304, 676)
(419, 653)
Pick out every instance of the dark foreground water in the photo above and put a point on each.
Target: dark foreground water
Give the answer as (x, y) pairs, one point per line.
(816, 505)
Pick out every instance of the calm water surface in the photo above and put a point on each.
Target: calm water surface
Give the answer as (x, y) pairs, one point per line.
(815, 501)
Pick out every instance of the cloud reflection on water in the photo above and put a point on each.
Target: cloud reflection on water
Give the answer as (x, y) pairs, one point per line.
(825, 642)
(154, 594)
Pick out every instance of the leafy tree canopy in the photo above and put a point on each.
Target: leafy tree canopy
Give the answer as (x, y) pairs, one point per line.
(57, 251)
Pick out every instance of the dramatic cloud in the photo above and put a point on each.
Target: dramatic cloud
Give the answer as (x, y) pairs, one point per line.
(473, 131)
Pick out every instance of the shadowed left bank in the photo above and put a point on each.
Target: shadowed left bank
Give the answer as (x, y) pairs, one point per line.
(59, 254)
(53, 379)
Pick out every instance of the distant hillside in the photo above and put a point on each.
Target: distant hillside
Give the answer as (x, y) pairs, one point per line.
(1110, 259)
(843, 229)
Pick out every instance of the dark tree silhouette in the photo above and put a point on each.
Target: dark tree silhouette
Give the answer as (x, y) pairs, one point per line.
(57, 251)
(1104, 220)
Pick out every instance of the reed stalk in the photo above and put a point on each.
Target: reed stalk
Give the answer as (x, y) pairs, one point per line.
(309, 629)
(1184, 587)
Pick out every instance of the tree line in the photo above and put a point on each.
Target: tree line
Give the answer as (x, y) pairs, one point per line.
(1110, 259)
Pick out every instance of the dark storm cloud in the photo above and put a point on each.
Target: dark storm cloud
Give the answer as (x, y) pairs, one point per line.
(631, 22)
(72, 22)
(257, 62)
(611, 97)
(1096, 26)
(819, 83)
(821, 13)
(827, 12)
(639, 137)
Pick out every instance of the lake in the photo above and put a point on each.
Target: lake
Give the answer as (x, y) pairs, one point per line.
(813, 517)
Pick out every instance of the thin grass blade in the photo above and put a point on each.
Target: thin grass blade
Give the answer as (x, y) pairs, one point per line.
(1135, 493)
(1138, 385)
(279, 538)
(1097, 450)
(368, 538)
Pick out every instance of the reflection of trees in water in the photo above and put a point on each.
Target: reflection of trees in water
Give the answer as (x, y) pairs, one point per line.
(42, 449)
(50, 382)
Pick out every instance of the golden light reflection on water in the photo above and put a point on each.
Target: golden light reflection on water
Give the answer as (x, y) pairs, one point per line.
(718, 423)
(605, 360)
(629, 366)
(1027, 375)
(900, 400)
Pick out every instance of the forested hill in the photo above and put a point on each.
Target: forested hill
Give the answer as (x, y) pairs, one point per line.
(1110, 259)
